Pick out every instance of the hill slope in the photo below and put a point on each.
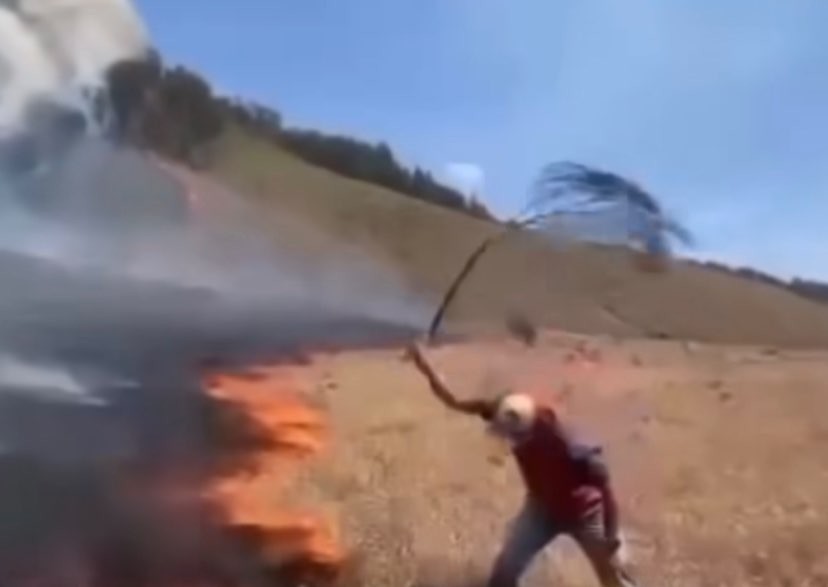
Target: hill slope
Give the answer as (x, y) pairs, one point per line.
(578, 288)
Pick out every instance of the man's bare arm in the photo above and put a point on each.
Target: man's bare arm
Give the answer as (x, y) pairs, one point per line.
(438, 387)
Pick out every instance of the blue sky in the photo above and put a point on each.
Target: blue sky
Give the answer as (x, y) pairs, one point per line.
(718, 106)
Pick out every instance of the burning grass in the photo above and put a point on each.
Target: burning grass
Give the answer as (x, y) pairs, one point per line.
(207, 519)
(294, 543)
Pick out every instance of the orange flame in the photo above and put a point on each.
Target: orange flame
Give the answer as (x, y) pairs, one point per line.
(293, 430)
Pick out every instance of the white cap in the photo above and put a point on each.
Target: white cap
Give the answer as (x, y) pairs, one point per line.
(514, 416)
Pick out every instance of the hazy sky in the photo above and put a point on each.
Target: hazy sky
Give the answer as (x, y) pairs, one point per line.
(720, 107)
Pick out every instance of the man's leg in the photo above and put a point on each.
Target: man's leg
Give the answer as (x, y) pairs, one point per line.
(531, 531)
(590, 535)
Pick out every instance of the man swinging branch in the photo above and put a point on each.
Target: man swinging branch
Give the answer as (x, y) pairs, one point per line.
(568, 485)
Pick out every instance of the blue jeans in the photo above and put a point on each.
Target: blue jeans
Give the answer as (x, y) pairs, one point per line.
(533, 530)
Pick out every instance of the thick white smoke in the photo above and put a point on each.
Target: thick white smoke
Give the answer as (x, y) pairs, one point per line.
(89, 205)
(116, 293)
(46, 382)
(51, 48)
(51, 51)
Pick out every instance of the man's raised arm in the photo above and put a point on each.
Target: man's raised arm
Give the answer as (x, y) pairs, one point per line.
(473, 407)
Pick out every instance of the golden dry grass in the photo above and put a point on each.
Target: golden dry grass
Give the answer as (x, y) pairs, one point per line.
(576, 288)
(720, 458)
(720, 452)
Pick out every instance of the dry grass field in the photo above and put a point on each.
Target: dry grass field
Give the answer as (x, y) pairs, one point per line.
(720, 455)
(719, 447)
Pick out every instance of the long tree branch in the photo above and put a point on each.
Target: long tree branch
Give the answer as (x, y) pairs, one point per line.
(467, 268)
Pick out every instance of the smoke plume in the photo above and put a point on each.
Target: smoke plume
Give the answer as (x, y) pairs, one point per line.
(122, 278)
(56, 48)
(89, 211)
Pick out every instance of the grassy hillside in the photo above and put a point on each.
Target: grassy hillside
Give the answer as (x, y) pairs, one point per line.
(578, 288)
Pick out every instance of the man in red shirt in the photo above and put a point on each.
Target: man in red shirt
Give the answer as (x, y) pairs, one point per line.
(568, 487)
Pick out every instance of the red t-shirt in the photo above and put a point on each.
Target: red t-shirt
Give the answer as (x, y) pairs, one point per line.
(551, 474)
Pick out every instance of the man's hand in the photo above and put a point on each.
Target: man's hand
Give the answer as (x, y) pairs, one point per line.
(617, 549)
(613, 544)
(414, 353)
